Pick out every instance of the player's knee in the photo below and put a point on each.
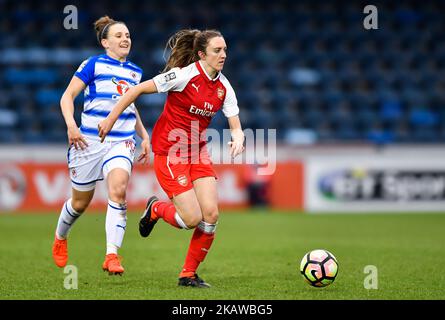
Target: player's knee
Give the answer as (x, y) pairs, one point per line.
(118, 192)
(79, 205)
(193, 220)
(211, 214)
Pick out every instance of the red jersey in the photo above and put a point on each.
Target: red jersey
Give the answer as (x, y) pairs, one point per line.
(193, 100)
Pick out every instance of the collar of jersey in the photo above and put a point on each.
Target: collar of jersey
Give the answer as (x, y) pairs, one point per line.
(204, 72)
(114, 60)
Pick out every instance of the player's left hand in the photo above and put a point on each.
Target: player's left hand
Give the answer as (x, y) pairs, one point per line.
(104, 128)
(236, 147)
(144, 157)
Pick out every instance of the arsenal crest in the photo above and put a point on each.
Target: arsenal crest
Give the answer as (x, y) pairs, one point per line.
(220, 93)
(182, 180)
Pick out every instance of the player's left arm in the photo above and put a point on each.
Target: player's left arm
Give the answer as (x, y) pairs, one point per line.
(237, 143)
(145, 144)
(231, 111)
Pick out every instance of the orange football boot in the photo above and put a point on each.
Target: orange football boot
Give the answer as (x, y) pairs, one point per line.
(60, 252)
(112, 264)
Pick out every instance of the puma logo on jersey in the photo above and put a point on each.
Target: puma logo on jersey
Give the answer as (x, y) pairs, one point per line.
(196, 87)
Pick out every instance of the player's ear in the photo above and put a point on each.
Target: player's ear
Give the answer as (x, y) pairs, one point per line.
(201, 54)
(104, 43)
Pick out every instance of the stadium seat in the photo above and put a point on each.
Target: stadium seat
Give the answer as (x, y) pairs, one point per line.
(292, 64)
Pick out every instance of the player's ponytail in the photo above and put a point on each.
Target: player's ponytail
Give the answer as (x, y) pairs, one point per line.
(185, 45)
(102, 26)
(181, 46)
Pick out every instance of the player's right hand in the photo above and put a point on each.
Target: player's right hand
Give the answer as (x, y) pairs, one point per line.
(75, 138)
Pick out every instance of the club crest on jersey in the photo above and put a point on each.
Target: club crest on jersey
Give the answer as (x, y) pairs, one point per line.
(122, 86)
(220, 93)
(182, 180)
(133, 75)
(74, 173)
(170, 76)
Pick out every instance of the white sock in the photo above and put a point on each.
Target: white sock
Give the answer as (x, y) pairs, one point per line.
(206, 227)
(66, 220)
(180, 222)
(115, 224)
(111, 248)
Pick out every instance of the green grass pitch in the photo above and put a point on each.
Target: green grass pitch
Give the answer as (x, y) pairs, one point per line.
(255, 255)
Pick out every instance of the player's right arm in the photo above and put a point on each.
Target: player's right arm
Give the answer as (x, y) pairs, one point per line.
(128, 98)
(173, 80)
(75, 87)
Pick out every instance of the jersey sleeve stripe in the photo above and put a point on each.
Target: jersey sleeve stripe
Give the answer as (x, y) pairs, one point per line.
(81, 77)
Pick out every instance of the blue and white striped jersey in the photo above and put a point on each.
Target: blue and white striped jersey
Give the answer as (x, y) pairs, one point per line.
(106, 80)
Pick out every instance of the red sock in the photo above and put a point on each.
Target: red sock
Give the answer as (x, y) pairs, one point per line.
(198, 249)
(166, 211)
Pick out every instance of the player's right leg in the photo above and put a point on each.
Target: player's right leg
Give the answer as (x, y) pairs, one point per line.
(184, 212)
(71, 211)
(85, 169)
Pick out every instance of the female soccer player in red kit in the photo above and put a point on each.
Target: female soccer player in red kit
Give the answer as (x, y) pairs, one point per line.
(197, 90)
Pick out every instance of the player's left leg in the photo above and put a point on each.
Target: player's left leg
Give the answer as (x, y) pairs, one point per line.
(116, 218)
(116, 169)
(204, 233)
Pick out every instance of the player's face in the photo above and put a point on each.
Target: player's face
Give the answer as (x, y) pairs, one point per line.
(216, 53)
(118, 42)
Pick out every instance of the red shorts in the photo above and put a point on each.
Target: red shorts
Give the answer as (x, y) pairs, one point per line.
(176, 178)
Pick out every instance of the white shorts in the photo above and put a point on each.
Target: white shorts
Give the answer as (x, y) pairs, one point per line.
(97, 160)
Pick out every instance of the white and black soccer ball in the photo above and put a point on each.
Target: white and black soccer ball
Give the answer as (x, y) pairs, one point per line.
(319, 267)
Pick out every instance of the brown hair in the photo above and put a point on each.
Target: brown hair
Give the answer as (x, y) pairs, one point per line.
(102, 26)
(185, 45)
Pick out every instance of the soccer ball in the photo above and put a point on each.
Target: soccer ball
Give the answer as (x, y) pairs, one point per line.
(319, 268)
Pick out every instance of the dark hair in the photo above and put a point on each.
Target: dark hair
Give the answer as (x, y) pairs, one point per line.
(185, 45)
(102, 26)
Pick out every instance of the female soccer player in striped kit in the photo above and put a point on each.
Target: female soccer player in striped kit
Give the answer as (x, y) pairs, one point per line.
(196, 91)
(104, 79)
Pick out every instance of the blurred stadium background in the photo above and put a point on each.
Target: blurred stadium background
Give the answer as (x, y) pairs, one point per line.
(306, 68)
(359, 114)
(296, 65)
